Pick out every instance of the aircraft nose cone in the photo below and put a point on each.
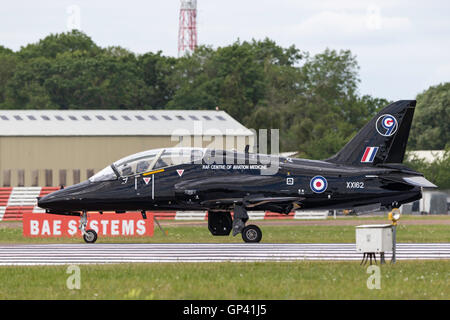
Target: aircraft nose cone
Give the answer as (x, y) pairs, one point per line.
(53, 200)
(63, 199)
(46, 201)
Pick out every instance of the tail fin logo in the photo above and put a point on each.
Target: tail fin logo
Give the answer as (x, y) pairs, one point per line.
(386, 125)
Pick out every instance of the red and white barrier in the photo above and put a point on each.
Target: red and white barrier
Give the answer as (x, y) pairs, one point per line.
(15, 202)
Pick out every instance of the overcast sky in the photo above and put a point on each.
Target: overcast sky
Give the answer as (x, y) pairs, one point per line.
(402, 46)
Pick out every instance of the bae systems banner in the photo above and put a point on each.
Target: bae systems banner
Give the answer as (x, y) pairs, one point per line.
(107, 224)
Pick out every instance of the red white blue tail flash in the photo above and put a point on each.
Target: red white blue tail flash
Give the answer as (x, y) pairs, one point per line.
(369, 154)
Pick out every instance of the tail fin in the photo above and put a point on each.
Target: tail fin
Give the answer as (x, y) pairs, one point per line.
(382, 140)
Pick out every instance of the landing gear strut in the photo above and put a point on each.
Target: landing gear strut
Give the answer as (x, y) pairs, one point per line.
(89, 235)
(250, 233)
(239, 220)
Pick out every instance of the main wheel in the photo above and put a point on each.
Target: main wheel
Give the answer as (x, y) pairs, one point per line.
(252, 233)
(90, 236)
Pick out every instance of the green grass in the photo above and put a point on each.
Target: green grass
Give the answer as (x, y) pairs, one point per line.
(287, 280)
(271, 234)
(263, 280)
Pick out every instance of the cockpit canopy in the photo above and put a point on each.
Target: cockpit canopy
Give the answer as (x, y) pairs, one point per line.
(147, 161)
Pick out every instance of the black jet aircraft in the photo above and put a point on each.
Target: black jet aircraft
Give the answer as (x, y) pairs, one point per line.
(367, 171)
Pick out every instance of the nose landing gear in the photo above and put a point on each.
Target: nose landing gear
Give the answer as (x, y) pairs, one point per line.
(89, 235)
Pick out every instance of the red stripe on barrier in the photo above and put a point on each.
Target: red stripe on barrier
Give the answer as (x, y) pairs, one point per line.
(274, 215)
(5, 193)
(14, 213)
(167, 215)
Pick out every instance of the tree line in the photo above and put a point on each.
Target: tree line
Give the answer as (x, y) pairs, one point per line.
(312, 99)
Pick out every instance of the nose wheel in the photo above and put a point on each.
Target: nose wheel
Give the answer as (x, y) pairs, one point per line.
(90, 236)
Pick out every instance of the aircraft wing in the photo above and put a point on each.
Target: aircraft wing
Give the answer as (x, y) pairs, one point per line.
(205, 186)
(225, 181)
(253, 201)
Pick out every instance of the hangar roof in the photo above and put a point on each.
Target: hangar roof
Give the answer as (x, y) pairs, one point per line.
(118, 123)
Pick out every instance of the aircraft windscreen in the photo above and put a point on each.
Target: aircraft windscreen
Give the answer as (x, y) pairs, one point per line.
(156, 159)
(104, 175)
(136, 163)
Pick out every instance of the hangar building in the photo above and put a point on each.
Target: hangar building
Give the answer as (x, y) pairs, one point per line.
(63, 147)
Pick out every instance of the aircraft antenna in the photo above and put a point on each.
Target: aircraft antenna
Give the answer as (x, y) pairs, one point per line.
(187, 32)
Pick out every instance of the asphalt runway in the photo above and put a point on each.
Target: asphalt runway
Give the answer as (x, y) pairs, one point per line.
(56, 254)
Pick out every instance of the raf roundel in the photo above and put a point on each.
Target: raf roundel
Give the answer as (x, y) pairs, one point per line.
(318, 184)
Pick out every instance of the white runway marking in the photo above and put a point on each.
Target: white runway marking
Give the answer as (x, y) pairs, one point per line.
(56, 254)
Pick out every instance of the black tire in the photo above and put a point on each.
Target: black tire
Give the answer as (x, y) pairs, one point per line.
(251, 234)
(90, 236)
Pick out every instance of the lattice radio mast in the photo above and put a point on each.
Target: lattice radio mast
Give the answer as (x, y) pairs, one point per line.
(187, 33)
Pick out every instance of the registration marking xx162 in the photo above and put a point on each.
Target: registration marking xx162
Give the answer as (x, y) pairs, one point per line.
(355, 185)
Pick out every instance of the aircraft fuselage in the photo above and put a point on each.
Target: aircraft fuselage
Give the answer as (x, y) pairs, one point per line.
(297, 184)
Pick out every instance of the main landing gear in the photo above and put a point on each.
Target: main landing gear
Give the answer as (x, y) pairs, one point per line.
(220, 223)
(89, 235)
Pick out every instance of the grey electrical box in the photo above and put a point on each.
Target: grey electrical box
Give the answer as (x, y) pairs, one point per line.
(374, 238)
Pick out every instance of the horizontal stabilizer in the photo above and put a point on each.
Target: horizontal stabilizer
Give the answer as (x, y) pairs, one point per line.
(419, 181)
(370, 208)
